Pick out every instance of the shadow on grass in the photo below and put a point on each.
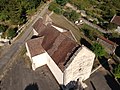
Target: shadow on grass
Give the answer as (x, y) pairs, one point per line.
(104, 62)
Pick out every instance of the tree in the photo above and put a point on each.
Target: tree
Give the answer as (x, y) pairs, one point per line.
(15, 10)
(11, 33)
(98, 50)
(3, 28)
(116, 71)
(55, 7)
(73, 16)
(61, 2)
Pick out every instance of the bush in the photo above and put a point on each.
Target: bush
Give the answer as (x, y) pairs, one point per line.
(11, 33)
(116, 71)
(61, 2)
(72, 15)
(3, 28)
(55, 7)
(98, 50)
(90, 32)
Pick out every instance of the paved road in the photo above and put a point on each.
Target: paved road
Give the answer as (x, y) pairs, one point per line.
(11, 52)
(21, 77)
(94, 26)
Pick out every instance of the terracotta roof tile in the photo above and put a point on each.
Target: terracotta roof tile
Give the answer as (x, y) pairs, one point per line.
(39, 26)
(58, 45)
(35, 47)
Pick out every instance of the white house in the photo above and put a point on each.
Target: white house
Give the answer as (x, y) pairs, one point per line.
(56, 48)
(79, 66)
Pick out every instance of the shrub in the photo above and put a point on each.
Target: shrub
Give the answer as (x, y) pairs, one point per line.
(11, 33)
(98, 50)
(55, 7)
(3, 28)
(116, 71)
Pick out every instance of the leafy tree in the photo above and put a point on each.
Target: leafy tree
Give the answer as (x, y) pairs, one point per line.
(116, 71)
(15, 10)
(55, 7)
(98, 50)
(11, 33)
(3, 28)
(81, 4)
(61, 2)
(71, 15)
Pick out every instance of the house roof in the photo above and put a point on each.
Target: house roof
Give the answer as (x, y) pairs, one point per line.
(58, 45)
(66, 32)
(39, 26)
(106, 40)
(109, 45)
(116, 20)
(35, 47)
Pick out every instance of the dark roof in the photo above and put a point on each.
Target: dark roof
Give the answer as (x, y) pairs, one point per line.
(116, 20)
(58, 45)
(39, 26)
(35, 47)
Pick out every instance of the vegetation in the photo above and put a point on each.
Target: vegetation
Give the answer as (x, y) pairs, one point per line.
(61, 2)
(102, 10)
(15, 11)
(98, 50)
(116, 71)
(3, 28)
(71, 15)
(55, 7)
(11, 33)
(90, 32)
(81, 4)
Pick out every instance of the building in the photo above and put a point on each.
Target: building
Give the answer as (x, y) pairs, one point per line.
(116, 20)
(110, 46)
(56, 47)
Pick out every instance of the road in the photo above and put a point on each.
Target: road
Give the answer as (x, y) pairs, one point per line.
(11, 51)
(22, 77)
(94, 26)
